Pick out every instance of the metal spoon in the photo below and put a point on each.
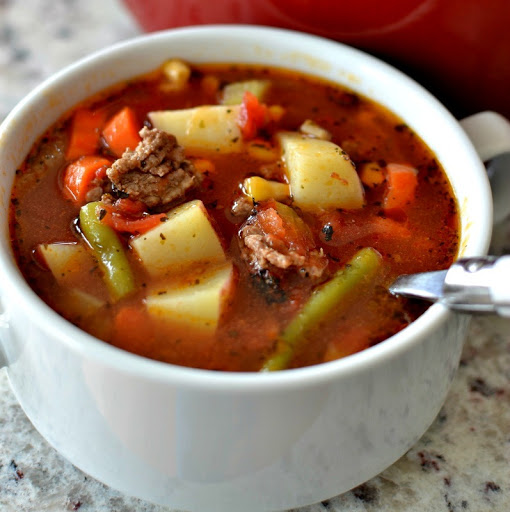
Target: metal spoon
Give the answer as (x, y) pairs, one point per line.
(475, 285)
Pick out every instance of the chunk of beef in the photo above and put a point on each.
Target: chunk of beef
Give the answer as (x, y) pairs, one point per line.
(262, 253)
(242, 208)
(292, 248)
(156, 172)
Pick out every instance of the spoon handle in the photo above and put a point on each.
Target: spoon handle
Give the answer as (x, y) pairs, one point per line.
(475, 285)
(479, 285)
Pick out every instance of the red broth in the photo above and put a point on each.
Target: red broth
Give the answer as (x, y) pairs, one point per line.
(420, 235)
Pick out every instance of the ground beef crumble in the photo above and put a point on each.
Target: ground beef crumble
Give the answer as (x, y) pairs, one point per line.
(156, 172)
(242, 207)
(261, 250)
(264, 251)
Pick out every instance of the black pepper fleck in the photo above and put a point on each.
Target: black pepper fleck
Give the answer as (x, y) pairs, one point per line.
(328, 232)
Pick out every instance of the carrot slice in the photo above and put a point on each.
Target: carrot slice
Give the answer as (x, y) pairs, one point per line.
(121, 131)
(80, 175)
(402, 183)
(84, 135)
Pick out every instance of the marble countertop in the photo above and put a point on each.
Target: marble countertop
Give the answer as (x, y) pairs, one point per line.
(461, 463)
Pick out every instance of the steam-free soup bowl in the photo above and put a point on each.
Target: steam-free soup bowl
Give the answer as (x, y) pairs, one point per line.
(202, 440)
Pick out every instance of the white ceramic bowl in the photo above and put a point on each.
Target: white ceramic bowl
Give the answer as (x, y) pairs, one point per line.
(201, 440)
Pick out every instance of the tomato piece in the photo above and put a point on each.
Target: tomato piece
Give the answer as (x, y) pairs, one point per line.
(253, 115)
(130, 207)
(133, 225)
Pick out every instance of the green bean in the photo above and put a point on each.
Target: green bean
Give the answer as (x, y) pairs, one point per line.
(361, 268)
(109, 252)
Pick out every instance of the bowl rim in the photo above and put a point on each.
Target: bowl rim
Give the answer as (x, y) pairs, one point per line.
(19, 292)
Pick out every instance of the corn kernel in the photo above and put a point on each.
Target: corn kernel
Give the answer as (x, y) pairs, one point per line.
(371, 174)
(276, 112)
(177, 73)
(261, 189)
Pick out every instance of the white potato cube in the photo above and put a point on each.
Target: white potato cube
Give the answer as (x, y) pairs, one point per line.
(320, 173)
(208, 128)
(186, 238)
(233, 93)
(198, 305)
(67, 261)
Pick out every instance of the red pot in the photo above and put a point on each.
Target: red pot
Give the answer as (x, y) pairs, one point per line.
(458, 49)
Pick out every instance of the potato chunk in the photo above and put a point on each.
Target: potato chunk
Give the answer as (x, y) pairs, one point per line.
(233, 93)
(320, 173)
(199, 304)
(208, 128)
(186, 238)
(67, 261)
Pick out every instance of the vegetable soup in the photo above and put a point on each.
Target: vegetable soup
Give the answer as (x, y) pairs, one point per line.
(231, 217)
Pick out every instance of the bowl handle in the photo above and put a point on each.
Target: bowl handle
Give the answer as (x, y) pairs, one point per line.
(489, 133)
